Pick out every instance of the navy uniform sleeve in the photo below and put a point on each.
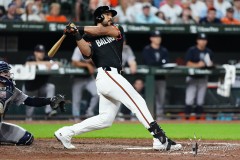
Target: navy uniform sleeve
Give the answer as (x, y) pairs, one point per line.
(147, 60)
(188, 56)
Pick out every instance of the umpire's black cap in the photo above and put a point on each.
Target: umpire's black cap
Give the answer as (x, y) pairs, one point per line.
(39, 48)
(104, 9)
(202, 36)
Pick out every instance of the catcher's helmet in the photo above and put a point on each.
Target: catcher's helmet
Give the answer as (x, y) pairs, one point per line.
(98, 13)
(4, 66)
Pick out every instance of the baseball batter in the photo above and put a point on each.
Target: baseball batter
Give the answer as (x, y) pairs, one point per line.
(105, 49)
(9, 94)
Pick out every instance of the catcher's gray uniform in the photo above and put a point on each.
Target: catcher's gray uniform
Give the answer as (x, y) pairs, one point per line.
(79, 84)
(11, 133)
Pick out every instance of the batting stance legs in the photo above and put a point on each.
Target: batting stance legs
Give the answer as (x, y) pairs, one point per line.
(114, 89)
(13, 134)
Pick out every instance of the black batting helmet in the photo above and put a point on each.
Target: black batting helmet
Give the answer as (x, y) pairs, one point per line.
(98, 13)
(4, 66)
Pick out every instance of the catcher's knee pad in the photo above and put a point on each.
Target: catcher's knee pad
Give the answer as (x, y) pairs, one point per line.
(27, 139)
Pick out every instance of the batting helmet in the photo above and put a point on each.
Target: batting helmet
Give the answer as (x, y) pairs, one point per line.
(4, 66)
(98, 13)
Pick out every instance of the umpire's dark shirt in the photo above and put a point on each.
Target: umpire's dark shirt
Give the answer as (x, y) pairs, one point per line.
(39, 80)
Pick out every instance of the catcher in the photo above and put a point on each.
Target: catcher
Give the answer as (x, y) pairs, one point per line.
(9, 94)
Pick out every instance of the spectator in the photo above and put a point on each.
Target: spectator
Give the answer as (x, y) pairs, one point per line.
(209, 4)
(40, 86)
(198, 56)
(84, 9)
(146, 17)
(11, 14)
(39, 9)
(177, 2)
(222, 6)
(171, 10)
(186, 17)
(197, 7)
(54, 14)
(20, 9)
(228, 19)
(211, 17)
(136, 7)
(5, 3)
(104, 3)
(2, 11)
(161, 16)
(237, 9)
(156, 55)
(30, 15)
(80, 83)
(121, 9)
(78, 10)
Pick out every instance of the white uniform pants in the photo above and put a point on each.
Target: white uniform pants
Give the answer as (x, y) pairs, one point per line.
(113, 90)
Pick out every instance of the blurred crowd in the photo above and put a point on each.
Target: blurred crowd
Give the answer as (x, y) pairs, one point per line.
(129, 11)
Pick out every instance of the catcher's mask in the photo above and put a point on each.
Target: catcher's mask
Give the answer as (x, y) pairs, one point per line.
(5, 70)
(98, 13)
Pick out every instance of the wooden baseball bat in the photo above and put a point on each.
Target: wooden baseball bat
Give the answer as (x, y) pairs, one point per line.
(56, 46)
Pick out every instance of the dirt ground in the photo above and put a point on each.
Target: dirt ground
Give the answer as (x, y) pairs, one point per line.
(116, 149)
(119, 149)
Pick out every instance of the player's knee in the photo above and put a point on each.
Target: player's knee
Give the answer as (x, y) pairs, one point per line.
(106, 121)
(27, 139)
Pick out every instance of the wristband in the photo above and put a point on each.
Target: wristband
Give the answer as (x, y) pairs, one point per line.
(80, 29)
(78, 36)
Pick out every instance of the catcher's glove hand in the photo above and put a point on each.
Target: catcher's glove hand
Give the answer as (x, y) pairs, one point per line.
(71, 29)
(58, 101)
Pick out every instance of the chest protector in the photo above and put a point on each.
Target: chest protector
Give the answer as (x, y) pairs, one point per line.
(6, 93)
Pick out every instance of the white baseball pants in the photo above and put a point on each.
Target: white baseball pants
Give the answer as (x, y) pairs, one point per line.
(113, 90)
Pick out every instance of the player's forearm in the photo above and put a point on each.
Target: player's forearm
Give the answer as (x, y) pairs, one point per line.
(84, 47)
(195, 64)
(133, 66)
(100, 30)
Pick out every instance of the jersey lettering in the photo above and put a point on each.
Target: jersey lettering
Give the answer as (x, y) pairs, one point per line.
(104, 40)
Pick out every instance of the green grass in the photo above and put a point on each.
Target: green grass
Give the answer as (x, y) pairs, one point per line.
(176, 131)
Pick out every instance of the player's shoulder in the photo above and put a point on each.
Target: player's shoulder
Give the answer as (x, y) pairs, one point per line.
(192, 48)
(147, 47)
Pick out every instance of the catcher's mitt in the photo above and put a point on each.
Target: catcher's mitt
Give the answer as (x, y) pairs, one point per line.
(58, 101)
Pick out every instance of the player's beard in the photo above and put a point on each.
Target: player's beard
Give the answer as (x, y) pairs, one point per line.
(107, 23)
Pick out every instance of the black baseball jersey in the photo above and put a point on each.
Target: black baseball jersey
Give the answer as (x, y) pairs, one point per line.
(39, 80)
(106, 50)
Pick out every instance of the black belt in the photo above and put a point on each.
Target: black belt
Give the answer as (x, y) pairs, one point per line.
(107, 68)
